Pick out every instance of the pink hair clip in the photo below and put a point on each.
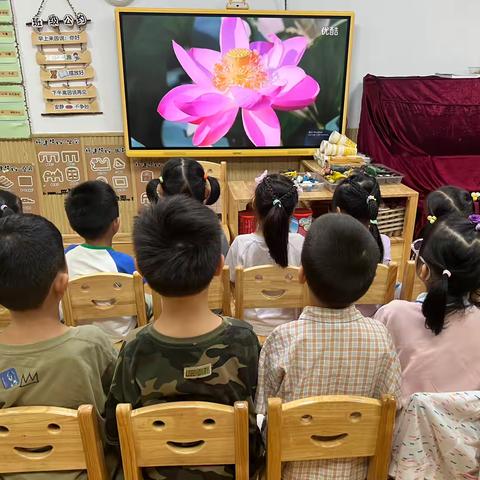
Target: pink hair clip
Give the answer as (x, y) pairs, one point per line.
(448, 273)
(261, 178)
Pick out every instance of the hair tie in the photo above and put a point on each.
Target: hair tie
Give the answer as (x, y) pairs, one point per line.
(160, 179)
(374, 222)
(370, 198)
(3, 207)
(475, 196)
(432, 219)
(277, 202)
(448, 273)
(475, 219)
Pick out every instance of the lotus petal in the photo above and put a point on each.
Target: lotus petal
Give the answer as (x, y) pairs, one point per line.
(213, 128)
(262, 127)
(233, 34)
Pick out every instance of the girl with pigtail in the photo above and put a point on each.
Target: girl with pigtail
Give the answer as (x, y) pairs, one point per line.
(10, 204)
(186, 176)
(437, 340)
(275, 200)
(359, 196)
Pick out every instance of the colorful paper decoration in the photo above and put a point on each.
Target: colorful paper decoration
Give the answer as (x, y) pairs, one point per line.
(14, 121)
(64, 60)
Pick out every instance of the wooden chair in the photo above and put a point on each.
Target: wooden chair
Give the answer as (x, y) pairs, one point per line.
(105, 295)
(382, 290)
(183, 434)
(44, 439)
(4, 317)
(268, 286)
(218, 295)
(219, 171)
(412, 286)
(329, 427)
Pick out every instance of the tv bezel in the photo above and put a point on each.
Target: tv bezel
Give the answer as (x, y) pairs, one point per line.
(226, 152)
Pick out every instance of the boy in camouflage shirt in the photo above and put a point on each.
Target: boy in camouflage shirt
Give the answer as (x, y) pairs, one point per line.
(188, 353)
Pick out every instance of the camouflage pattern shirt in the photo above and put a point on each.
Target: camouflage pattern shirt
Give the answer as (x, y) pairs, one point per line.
(220, 366)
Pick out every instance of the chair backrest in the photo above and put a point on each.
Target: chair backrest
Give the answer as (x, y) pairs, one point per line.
(4, 317)
(182, 434)
(44, 439)
(412, 286)
(219, 171)
(104, 296)
(328, 427)
(268, 286)
(218, 295)
(382, 290)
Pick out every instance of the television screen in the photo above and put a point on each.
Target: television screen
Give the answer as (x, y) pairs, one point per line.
(253, 83)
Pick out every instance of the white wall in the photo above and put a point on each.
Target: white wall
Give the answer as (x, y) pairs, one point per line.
(409, 37)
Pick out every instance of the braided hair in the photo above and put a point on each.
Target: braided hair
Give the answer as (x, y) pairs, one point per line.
(275, 200)
(9, 204)
(359, 196)
(184, 176)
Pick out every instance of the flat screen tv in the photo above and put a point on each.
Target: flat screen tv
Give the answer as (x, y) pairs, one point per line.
(222, 83)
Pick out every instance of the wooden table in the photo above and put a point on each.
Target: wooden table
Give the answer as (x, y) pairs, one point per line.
(240, 193)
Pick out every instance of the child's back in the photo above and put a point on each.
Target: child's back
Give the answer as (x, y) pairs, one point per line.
(43, 362)
(332, 349)
(92, 210)
(275, 200)
(188, 353)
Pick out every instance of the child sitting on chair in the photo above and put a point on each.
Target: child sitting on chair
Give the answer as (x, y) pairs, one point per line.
(92, 210)
(188, 352)
(186, 176)
(43, 362)
(437, 338)
(359, 196)
(331, 349)
(275, 200)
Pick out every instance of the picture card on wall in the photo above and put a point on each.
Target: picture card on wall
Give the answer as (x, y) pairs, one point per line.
(60, 163)
(20, 179)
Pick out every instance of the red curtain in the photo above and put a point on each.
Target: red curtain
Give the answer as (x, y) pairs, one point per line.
(428, 128)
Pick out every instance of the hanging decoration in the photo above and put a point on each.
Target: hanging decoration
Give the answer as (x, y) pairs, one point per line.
(65, 62)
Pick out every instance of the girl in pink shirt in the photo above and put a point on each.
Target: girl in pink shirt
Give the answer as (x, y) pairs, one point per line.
(437, 340)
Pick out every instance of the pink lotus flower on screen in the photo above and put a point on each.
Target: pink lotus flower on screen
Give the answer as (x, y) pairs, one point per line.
(254, 77)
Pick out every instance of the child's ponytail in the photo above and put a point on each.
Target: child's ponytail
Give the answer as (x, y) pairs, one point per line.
(275, 199)
(152, 190)
(435, 304)
(359, 196)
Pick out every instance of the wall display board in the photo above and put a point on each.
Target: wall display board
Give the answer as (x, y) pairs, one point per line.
(143, 172)
(60, 162)
(64, 60)
(21, 179)
(110, 165)
(14, 121)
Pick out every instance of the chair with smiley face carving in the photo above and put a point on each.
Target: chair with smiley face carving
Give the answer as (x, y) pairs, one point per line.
(330, 427)
(183, 434)
(45, 439)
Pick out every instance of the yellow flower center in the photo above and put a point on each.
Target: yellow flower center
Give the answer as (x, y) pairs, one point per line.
(240, 67)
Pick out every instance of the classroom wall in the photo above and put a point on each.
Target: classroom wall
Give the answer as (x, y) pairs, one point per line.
(391, 38)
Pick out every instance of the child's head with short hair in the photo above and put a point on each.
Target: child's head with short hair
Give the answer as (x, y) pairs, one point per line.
(275, 200)
(31, 260)
(339, 260)
(359, 196)
(9, 204)
(184, 176)
(92, 210)
(449, 199)
(178, 246)
(449, 264)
